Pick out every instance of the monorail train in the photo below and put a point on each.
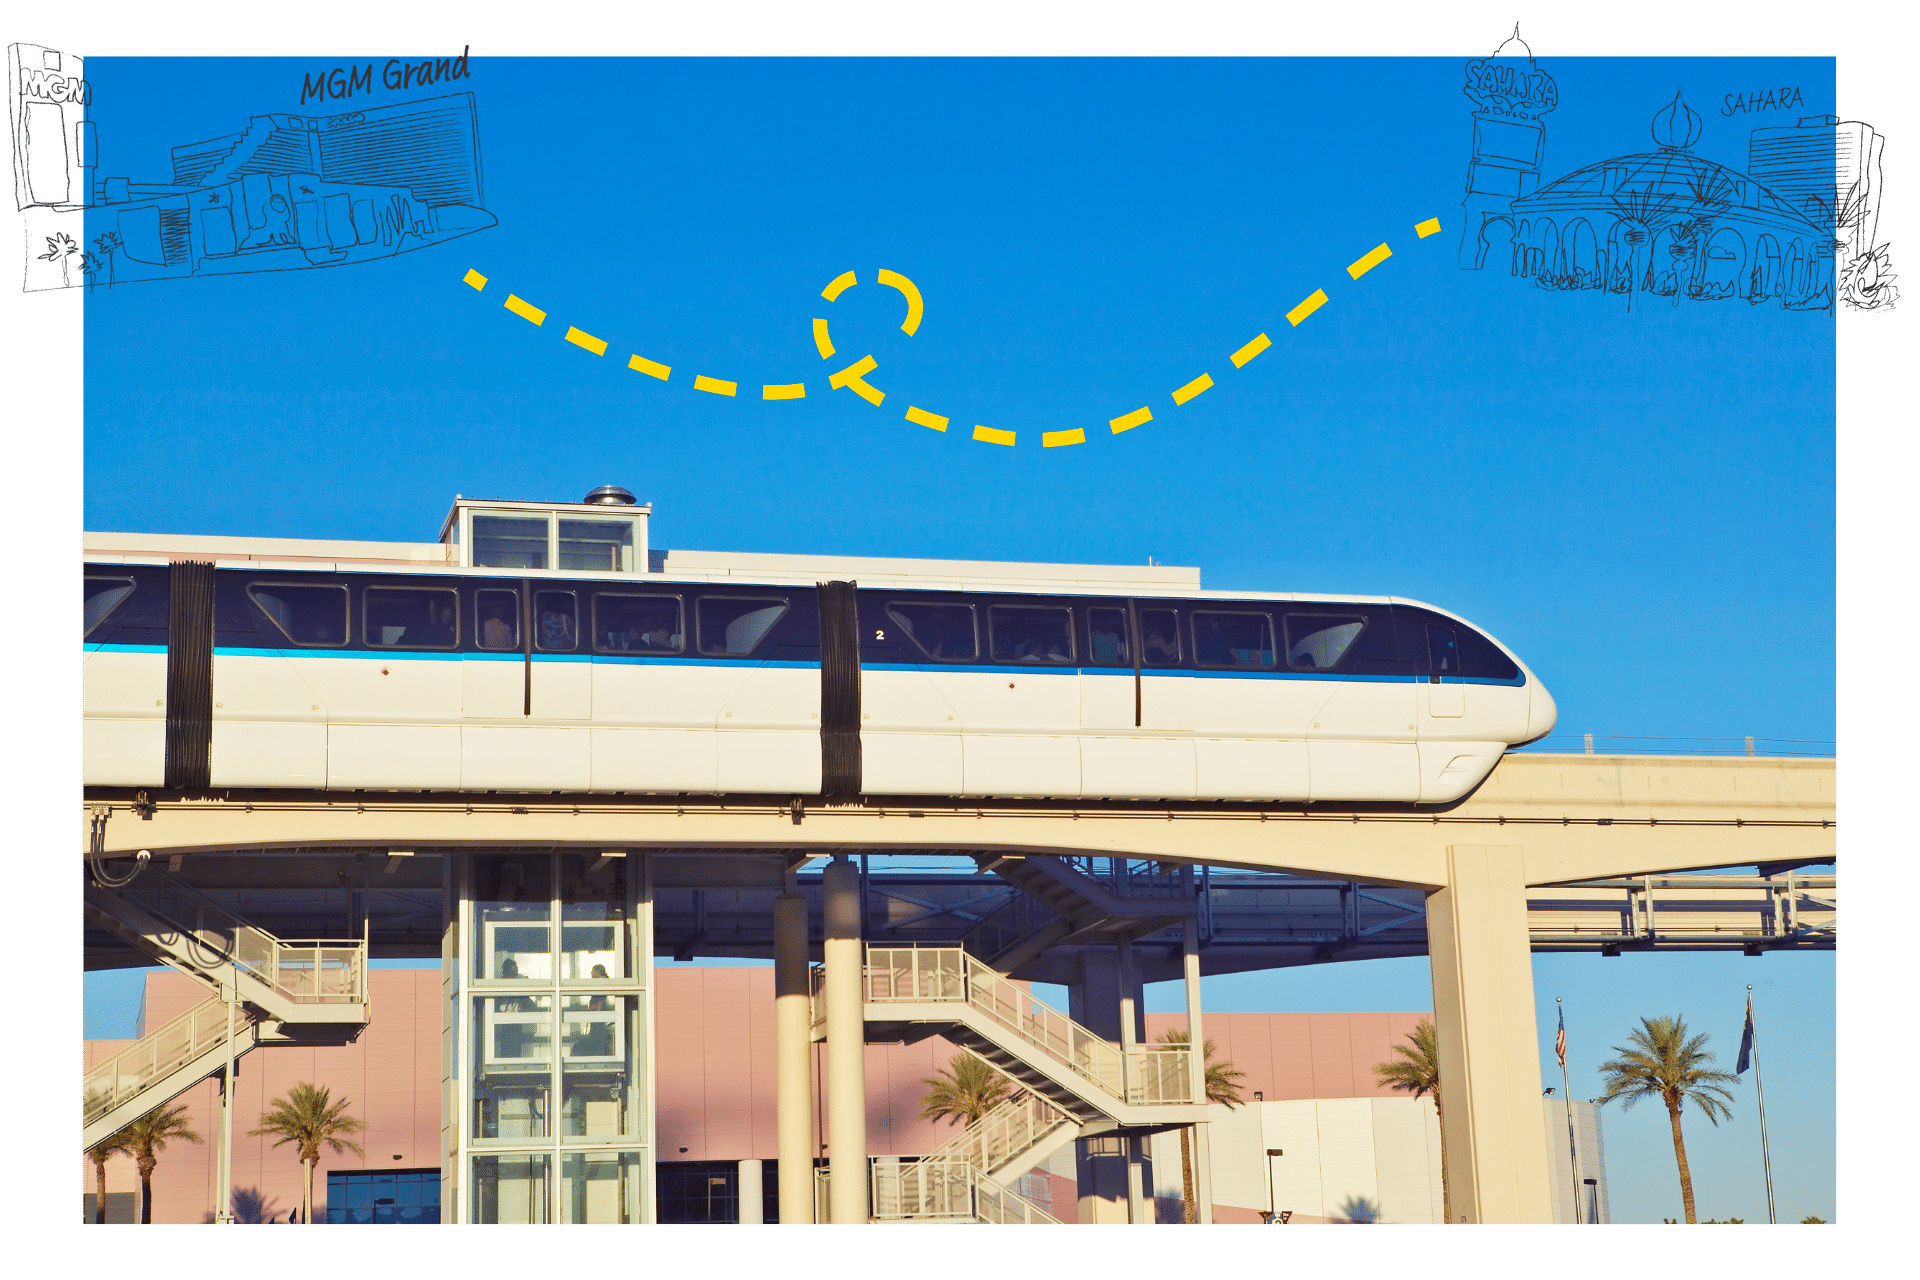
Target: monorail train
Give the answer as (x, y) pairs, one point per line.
(501, 680)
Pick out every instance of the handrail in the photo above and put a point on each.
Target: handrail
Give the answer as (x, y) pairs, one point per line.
(1127, 877)
(1018, 917)
(947, 1190)
(1004, 1132)
(194, 1033)
(1144, 1074)
(304, 972)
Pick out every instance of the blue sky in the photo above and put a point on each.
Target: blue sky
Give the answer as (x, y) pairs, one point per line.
(1641, 505)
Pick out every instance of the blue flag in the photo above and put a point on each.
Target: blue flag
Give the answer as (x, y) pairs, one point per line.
(1746, 1040)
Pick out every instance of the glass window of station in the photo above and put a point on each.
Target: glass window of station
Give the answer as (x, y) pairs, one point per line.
(570, 542)
(555, 1092)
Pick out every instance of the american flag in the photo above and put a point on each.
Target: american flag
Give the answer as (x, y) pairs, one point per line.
(1560, 1039)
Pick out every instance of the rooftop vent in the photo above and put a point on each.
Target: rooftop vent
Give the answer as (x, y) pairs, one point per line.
(609, 495)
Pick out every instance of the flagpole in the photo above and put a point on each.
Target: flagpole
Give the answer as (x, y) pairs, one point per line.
(1566, 1087)
(1766, 1161)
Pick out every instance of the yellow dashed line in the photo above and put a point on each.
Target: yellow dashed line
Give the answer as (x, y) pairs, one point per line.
(1249, 351)
(586, 340)
(853, 378)
(1368, 263)
(1308, 307)
(915, 306)
(1192, 389)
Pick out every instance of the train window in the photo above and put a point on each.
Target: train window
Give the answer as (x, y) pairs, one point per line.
(496, 623)
(944, 631)
(307, 615)
(510, 542)
(1444, 651)
(410, 618)
(1232, 639)
(555, 621)
(1023, 634)
(637, 624)
(1107, 637)
(1159, 638)
(103, 597)
(1318, 641)
(733, 627)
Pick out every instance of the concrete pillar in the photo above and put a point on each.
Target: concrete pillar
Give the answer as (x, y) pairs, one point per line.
(792, 1057)
(846, 1045)
(752, 1193)
(1197, 1043)
(1100, 1164)
(1492, 1122)
(1132, 1018)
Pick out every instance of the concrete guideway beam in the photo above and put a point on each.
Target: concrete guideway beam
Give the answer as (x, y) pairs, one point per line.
(1491, 1122)
(1578, 818)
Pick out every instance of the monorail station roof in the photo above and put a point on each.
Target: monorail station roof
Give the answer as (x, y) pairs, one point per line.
(607, 533)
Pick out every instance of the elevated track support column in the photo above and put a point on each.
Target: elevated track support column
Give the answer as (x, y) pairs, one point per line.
(846, 1043)
(1492, 1122)
(792, 1058)
(1197, 1067)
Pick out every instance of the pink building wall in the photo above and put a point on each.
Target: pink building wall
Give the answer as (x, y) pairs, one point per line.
(715, 1091)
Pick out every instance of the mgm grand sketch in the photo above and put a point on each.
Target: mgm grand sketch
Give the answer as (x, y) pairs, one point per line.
(286, 193)
(1795, 229)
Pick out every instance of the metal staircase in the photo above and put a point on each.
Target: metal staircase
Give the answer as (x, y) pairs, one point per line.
(264, 990)
(1074, 900)
(1076, 1084)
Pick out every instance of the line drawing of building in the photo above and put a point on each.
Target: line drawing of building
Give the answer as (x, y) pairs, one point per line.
(1510, 93)
(1830, 170)
(288, 192)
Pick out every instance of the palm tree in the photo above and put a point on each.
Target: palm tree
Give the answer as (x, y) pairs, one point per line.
(964, 1092)
(1223, 1086)
(1418, 1072)
(146, 1138)
(1662, 1062)
(309, 1116)
(101, 1152)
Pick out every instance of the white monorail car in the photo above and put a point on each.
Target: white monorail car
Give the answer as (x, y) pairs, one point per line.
(489, 680)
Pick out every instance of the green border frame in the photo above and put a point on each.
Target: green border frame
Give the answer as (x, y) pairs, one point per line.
(43, 444)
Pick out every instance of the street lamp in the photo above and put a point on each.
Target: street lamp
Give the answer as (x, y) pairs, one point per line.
(1271, 1153)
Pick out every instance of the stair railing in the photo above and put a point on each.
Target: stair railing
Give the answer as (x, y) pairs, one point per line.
(303, 971)
(897, 974)
(1014, 1126)
(194, 1033)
